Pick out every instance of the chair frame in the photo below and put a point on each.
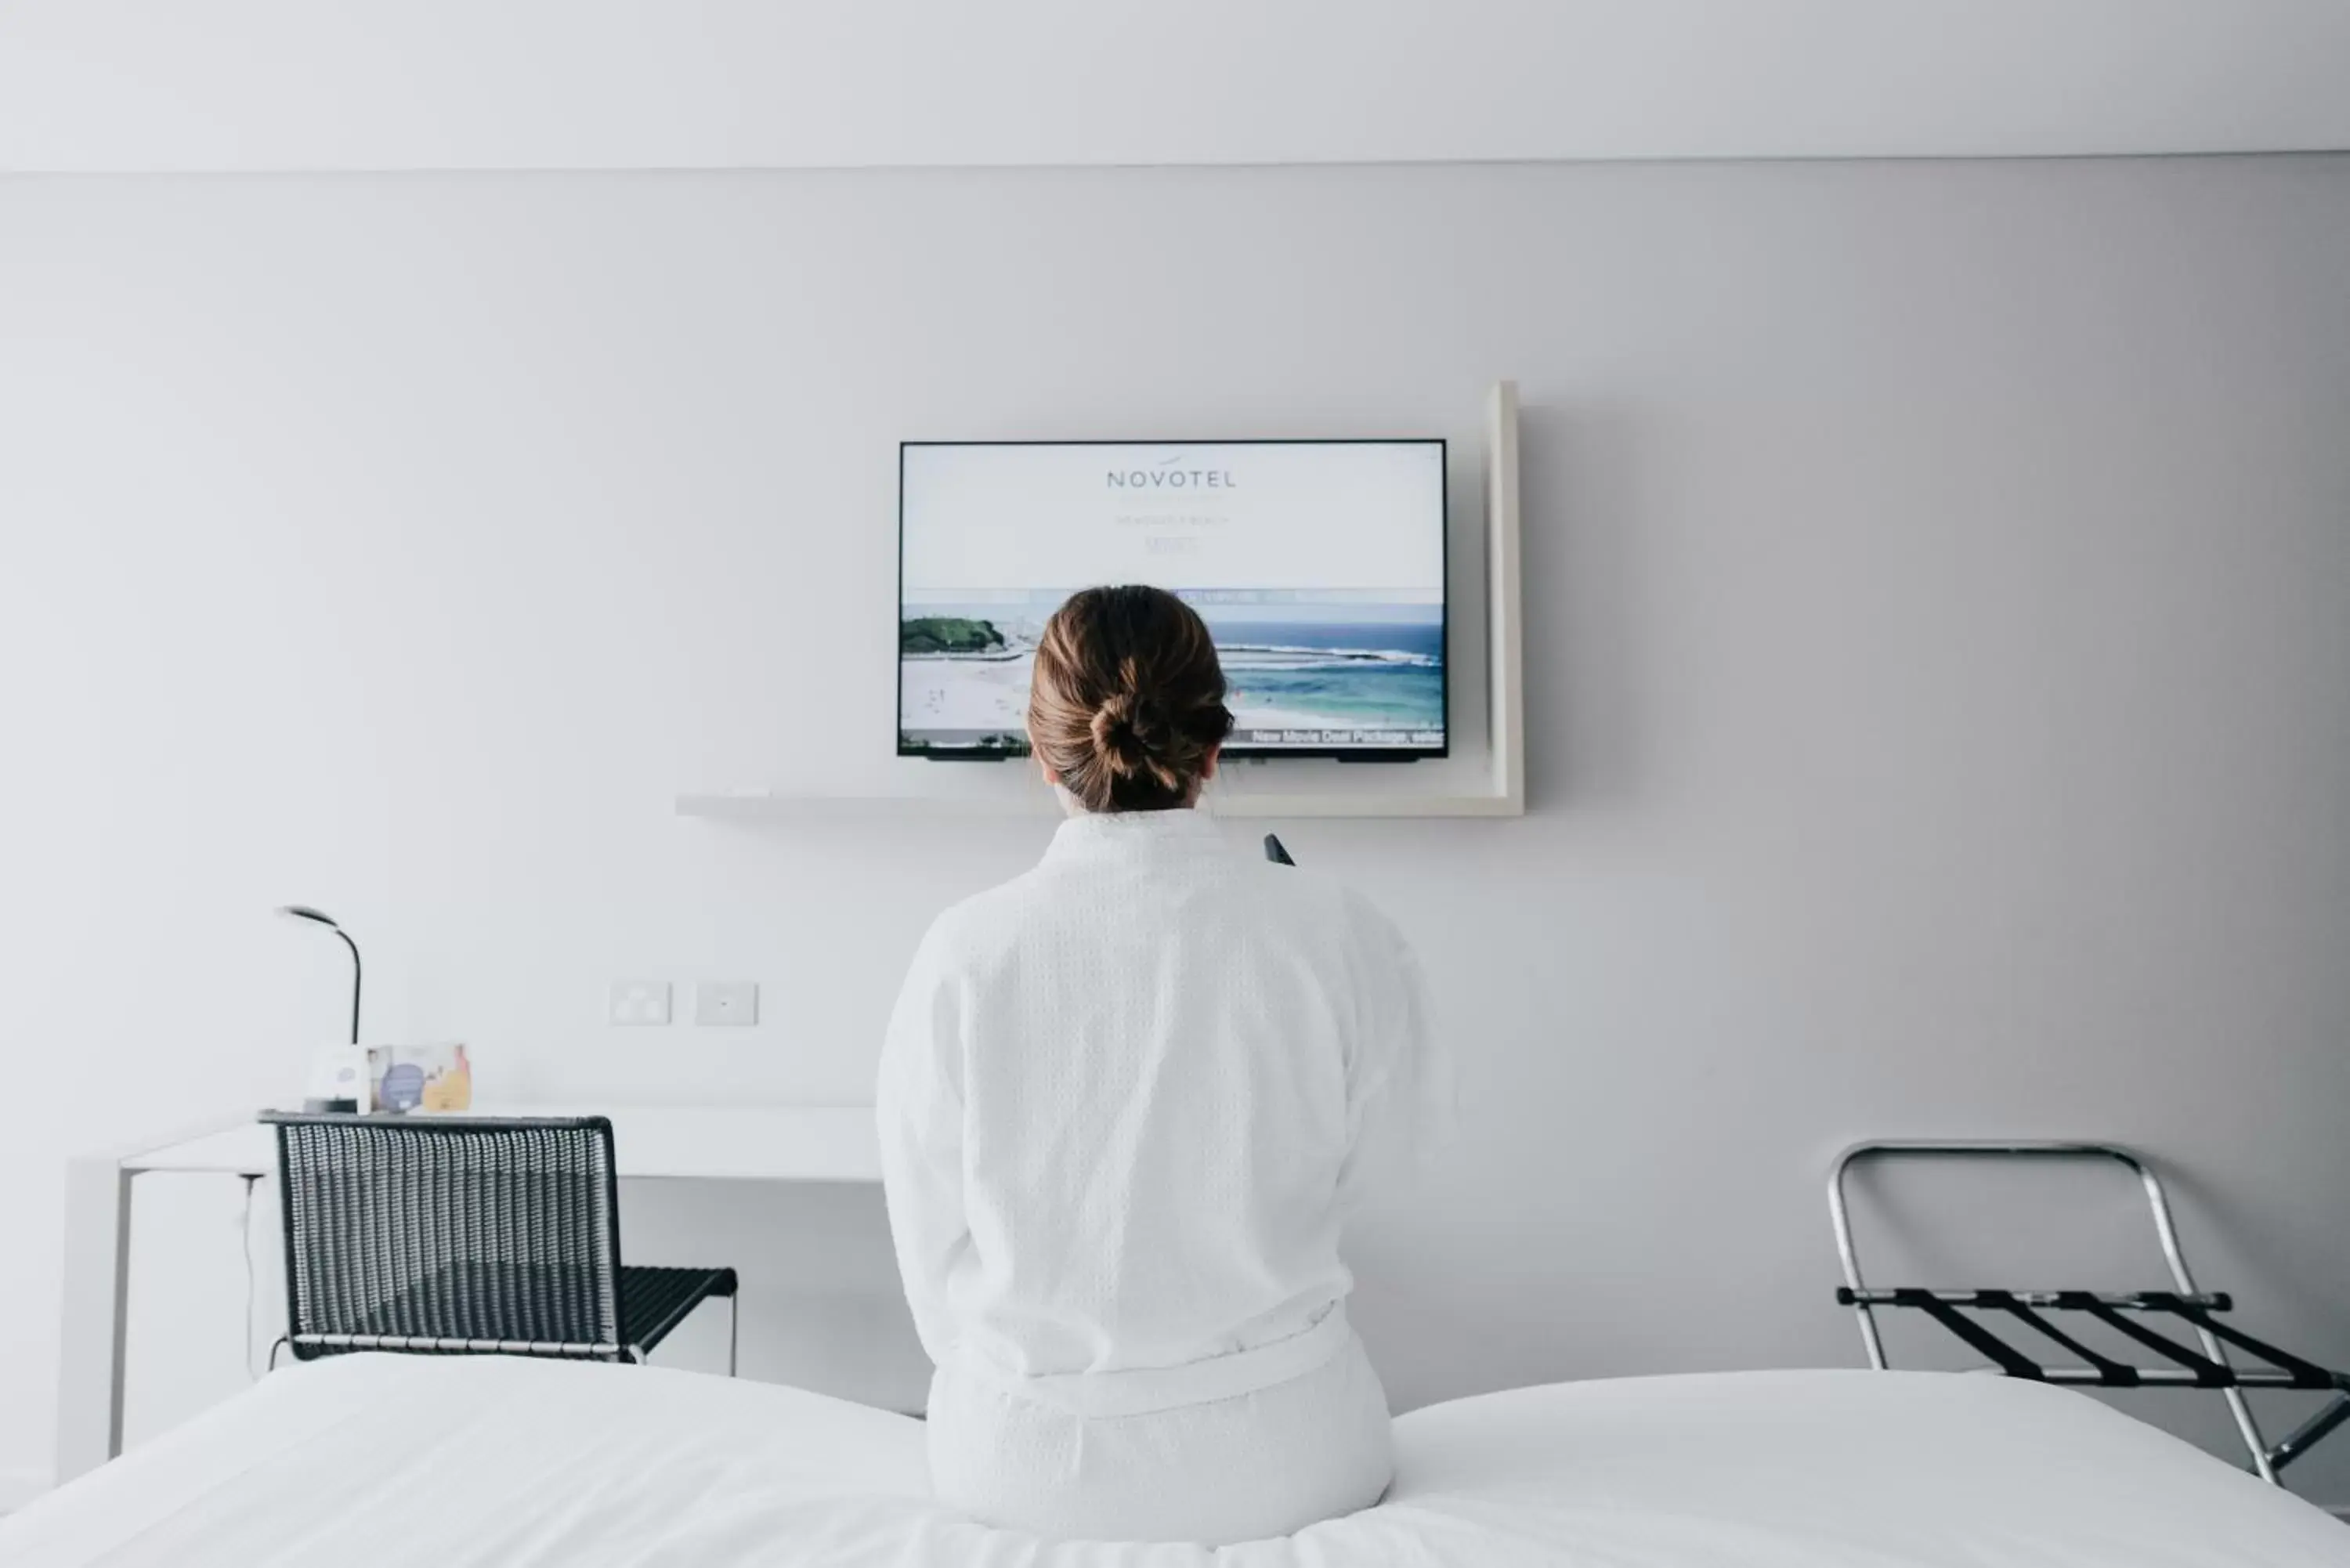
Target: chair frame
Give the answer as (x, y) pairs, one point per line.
(621, 1349)
(2212, 1369)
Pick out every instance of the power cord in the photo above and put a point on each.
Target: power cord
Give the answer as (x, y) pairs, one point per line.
(250, 1375)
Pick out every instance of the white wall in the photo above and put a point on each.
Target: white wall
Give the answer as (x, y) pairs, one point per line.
(1936, 579)
(155, 86)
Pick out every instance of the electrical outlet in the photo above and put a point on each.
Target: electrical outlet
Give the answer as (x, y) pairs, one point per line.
(638, 1001)
(726, 1002)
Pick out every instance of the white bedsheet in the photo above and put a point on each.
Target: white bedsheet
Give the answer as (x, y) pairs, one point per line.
(371, 1460)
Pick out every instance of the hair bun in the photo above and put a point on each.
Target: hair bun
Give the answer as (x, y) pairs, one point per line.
(1132, 735)
(1126, 704)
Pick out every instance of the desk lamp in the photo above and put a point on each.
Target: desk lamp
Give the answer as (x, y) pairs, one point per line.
(304, 912)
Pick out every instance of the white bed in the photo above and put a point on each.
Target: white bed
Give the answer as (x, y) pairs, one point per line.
(456, 1463)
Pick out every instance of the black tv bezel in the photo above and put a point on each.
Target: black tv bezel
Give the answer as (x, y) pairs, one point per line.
(1364, 755)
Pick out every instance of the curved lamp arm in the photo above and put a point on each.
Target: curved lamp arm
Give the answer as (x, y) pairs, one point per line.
(320, 918)
(356, 973)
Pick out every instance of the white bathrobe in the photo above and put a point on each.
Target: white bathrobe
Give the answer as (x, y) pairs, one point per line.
(1125, 1102)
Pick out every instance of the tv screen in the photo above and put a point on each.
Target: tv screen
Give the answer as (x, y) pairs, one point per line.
(1317, 566)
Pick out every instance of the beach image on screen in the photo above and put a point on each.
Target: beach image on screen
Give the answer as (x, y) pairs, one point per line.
(1318, 567)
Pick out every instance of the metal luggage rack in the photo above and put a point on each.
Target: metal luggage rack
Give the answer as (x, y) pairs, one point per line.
(2123, 1311)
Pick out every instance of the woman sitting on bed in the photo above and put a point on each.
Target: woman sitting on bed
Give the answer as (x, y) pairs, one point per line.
(1125, 1101)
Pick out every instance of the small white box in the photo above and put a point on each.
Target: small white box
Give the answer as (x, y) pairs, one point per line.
(726, 1002)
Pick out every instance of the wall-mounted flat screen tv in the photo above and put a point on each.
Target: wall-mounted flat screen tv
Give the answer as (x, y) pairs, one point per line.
(1319, 566)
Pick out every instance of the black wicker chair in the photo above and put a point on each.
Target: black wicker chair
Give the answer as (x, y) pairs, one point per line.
(468, 1235)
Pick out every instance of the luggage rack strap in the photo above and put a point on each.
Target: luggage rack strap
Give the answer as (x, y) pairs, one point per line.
(2012, 1361)
(2208, 1373)
(2068, 1300)
(2111, 1373)
(2305, 1373)
(2026, 1307)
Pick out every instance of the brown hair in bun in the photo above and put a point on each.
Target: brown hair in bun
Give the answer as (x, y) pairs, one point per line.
(1128, 699)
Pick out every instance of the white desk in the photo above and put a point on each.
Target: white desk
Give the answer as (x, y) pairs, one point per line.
(679, 1143)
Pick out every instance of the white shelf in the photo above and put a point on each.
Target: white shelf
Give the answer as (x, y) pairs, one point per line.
(779, 807)
(786, 805)
(1492, 785)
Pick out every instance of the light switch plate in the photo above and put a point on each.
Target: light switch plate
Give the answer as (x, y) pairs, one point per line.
(638, 1001)
(726, 1002)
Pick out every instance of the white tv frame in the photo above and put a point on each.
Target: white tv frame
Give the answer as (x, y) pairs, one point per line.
(1460, 785)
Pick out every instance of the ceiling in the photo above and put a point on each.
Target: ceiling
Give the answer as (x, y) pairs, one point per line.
(184, 85)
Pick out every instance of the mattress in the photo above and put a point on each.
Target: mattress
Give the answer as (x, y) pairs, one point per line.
(465, 1463)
